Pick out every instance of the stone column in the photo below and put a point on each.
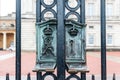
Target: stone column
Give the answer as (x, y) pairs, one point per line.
(4, 41)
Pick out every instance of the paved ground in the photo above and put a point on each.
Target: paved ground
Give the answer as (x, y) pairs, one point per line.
(7, 63)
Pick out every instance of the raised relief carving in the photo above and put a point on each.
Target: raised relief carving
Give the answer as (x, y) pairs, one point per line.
(75, 52)
(47, 49)
(72, 52)
(73, 32)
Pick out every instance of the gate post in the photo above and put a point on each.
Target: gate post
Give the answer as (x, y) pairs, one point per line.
(67, 33)
(103, 41)
(38, 19)
(18, 39)
(61, 40)
(82, 12)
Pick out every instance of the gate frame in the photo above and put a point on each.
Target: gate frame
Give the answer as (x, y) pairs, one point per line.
(18, 40)
(103, 40)
(60, 23)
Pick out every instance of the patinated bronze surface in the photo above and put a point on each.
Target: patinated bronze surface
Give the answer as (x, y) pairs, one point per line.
(75, 54)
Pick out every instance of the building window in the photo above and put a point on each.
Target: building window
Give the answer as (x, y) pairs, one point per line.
(109, 9)
(91, 39)
(109, 39)
(109, 27)
(91, 27)
(90, 10)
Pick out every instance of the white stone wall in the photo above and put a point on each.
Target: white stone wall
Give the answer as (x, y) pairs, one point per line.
(28, 33)
(116, 34)
(28, 27)
(28, 6)
(96, 31)
(113, 21)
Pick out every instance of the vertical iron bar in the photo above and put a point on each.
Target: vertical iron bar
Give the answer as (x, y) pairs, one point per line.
(28, 76)
(7, 76)
(93, 77)
(39, 75)
(114, 78)
(60, 40)
(18, 39)
(82, 20)
(38, 19)
(83, 76)
(103, 41)
(82, 11)
(38, 10)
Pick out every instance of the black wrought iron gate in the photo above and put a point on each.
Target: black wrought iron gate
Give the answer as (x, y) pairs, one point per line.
(60, 14)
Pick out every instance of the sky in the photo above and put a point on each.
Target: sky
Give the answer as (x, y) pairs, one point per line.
(7, 7)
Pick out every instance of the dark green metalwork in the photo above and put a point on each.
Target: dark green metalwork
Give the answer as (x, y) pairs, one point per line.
(74, 42)
(7, 76)
(28, 76)
(38, 10)
(47, 52)
(61, 37)
(82, 20)
(46, 45)
(18, 39)
(38, 19)
(72, 9)
(39, 75)
(61, 40)
(103, 41)
(49, 74)
(73, 76)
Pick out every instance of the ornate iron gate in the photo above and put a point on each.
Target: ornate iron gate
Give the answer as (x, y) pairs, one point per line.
(62, 12)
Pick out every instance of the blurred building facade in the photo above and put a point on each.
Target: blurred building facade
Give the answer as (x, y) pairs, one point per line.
(7, 32)
(112, 24)
(93, 40)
